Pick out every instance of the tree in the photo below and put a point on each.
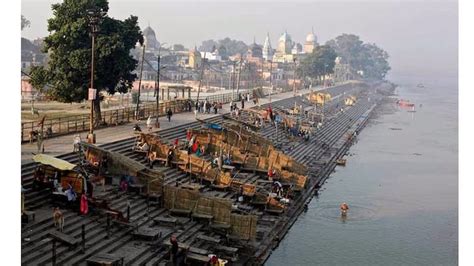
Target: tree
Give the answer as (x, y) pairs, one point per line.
(319, 63)
(349, 48)
(24, 22)
(376, 65)
(231, 47)
(207, 45)
(365, 57)
(69, 47)
(178, 47)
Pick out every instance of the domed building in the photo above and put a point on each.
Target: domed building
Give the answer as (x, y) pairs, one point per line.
(255, 50)
(297, 49)
(149, 39)
(284, 49)
(310, 43)
(284, 44)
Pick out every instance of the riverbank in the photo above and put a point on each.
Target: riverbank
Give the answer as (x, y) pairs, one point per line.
(401, 187)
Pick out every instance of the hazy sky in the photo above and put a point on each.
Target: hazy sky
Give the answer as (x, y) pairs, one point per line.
(418, 35)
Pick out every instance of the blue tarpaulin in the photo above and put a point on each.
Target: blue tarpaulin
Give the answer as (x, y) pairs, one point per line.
(214, 126)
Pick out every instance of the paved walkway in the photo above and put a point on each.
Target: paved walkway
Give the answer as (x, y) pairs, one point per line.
(64, 144)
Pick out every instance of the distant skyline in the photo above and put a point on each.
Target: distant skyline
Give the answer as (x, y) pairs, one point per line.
(419, 36)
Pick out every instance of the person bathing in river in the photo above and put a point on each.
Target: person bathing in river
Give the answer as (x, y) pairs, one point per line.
(344, 208)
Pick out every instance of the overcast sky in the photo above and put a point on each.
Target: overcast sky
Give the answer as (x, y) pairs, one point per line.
(418, 35)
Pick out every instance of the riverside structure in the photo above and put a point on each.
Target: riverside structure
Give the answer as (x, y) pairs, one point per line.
(231, 214)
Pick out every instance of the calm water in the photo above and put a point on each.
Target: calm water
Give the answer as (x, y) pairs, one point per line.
(401, 187)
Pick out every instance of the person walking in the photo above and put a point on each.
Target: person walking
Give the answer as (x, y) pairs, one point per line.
(169, 113)
(243, 103)
(77, 141)
(149, 124)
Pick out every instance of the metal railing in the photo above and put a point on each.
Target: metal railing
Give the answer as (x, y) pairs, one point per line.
(80, 123)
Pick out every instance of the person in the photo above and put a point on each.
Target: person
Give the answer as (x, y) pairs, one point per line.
(195, 146)
(77, 141)
(84, 204)
(278, 188)
(174, 249)
(231, 105)
(39, 178)
(56, 178)
(169, 157)
(243, 102)
(169, 113)
(228, 159)
(201, 151)
(215, 108)
(215, 160)
(271, 173)
(214, 261)
(176, 142)
(149, 124)
(248, 97)
(124, 185)
(191, 144)
(344, 208)
(71, 195)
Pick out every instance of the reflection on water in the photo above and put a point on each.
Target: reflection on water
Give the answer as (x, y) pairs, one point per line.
(330, 212)
(401, 188)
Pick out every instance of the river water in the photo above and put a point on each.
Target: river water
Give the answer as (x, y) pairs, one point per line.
(401, 185)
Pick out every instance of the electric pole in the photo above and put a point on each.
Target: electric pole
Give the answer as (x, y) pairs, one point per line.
(140, 84)
(202, 74)
(238, 77)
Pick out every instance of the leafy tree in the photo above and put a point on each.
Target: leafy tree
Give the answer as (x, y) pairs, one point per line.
(178, 47)
(369, 58)
(24, 22)
(232, 47)
(349, 48)
(319, 63)
(223, 52)
(207, 45)
(69, 48)
(376, 65)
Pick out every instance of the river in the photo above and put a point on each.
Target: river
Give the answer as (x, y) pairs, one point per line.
(401, 185)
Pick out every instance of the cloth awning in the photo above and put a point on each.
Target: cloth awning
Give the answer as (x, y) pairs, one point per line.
(54, 162)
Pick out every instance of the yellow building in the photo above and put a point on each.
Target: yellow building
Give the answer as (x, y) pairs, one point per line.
(195, 59)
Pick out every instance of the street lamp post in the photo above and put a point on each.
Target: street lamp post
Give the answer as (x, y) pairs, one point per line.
(271, 84)
(157, 89)
(94, 17)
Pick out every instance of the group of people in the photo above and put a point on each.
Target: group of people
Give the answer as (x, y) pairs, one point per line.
(207, 107)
